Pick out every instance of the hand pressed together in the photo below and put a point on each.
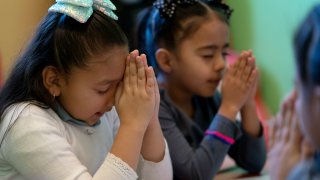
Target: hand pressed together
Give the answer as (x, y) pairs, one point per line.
(239, 84)
(136, 97)
(287, 144)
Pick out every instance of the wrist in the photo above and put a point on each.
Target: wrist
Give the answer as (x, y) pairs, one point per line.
(248, 106)
(229, 112)
(135, 128)
(250, 102)
(154, 123)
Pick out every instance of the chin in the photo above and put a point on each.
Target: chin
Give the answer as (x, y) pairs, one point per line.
(207, 94)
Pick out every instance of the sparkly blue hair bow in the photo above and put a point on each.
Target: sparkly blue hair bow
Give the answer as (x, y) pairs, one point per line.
(81, 10)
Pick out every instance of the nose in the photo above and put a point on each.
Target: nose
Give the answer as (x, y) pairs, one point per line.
(219, 64)
(110, 98)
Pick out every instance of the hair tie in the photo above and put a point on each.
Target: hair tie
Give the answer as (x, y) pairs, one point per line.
(167, 7)
(226, 10)
(81, 10)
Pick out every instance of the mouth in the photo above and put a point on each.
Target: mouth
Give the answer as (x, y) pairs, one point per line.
(99, 114)
(214, 81)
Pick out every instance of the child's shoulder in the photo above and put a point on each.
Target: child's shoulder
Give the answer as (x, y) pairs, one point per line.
(25, 109)
(28, 115)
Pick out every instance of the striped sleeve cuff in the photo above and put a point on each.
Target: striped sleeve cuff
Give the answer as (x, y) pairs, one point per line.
(220, 136)
(224, 129)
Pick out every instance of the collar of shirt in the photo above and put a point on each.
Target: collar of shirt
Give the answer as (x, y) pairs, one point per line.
(65, 116)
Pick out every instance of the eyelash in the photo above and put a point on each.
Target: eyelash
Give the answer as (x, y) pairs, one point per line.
(224, 54)
(103, 91)
(207, 56)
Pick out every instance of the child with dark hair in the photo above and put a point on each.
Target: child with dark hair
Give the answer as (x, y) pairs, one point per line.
(186, 41)
(288, 156)
(77, 105)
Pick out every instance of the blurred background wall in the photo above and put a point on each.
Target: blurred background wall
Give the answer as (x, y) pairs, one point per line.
(267, 27)
(18, 20)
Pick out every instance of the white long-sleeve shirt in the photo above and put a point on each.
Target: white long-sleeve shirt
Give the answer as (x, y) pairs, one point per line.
(37, 144)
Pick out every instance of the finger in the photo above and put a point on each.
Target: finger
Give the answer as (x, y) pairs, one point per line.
(141, 72)
(250, 53)
(135, 53)
(127, 74)
(241, 67)
(246, 73)
(247, 70)
(118, 92)
(229, 70)
(288, 120)
(283, 112)
(256, 80)
(289, 115)
(252, 78)
(296, 135)
(278, 128)
(144, 60)
(252, 61)
(133, 70)
(157, 95)
(237, 64)
(156, 89)
(271, 132)
(150, 81)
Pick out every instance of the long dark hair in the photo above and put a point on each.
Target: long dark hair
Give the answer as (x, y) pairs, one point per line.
(307, 49)
(155, 30)
(62, 42)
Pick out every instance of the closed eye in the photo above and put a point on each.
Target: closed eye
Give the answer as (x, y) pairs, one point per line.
(225, 54)
(102, 92)
(207, 56)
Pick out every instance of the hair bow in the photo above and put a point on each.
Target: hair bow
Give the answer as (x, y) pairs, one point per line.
(81, 10)
(167, 7)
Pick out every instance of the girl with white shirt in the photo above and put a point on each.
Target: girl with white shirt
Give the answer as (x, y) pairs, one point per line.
(78, 106)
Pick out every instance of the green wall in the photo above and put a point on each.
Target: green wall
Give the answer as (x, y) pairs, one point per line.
(267, 27)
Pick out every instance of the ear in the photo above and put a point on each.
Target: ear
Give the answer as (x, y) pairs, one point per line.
(52, 80)
(164, 60)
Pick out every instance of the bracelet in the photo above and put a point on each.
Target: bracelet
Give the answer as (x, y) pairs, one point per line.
(220, 136)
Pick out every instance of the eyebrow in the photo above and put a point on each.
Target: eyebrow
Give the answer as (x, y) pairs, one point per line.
(214, 47)
(107, 81)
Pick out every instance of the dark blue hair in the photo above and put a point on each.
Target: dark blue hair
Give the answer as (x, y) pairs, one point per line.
(307, 48)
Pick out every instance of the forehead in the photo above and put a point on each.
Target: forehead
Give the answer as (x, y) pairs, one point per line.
(211, 31)
(109, 65)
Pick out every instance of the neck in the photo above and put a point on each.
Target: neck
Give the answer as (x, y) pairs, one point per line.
(181, 97)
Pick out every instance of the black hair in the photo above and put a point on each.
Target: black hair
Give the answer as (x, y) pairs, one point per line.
(155, 30)
(307, 49)
(62, 42)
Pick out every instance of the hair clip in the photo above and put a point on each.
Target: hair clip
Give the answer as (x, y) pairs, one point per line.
(81, 10)
(167, 7)
(226, 10)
